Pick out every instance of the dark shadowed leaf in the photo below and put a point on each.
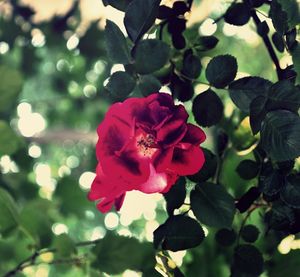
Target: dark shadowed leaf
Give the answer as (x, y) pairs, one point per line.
(114, 254)
(172, 236)
(248, 169)
(281, 217)
(176, 195)
(263, 28)
(165, 12)
(120, 84)
(257, 113)
(181, 88)
(205, 43)
(271, 181)
(278, 41)
(191, 67)
(226, 237)
(221, 70)
(248, 259)
(139, 17)
(250, 233)
(243, 91)
(284, 95)
(285, 14)
(148, 84)
(247, 199)
(180, 8)
(9, 215)
(291, 39)
(296, 61)
(207, 108)
(280, 135)
(209, 168)
(150, 55)
(116, 45)
(213, 205)
(290, 193)
(178, 41)
(118, 4)
(238, 14)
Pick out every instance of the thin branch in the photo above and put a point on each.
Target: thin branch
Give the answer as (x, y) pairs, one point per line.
(269, 46)
(32, 260)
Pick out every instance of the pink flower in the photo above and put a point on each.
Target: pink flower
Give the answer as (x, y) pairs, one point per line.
(144, 144)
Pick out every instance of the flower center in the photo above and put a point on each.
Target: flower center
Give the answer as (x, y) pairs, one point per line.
(146, 145)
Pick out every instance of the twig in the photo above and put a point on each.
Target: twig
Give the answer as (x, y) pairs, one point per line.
(269, 46)
(31, 260)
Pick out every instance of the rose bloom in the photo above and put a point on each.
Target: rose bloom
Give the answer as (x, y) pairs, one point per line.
(144, 144)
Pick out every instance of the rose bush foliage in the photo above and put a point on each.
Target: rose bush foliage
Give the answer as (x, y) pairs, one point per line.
(144, 144)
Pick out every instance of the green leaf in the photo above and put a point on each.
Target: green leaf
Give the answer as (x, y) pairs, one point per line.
(221, 70)
(116, 45)
(250, 233)
(191, 67)
(209, 168)
(248, 259)
(150, 55)
(67, 193)
(120, 84)
(238, 14)
(243, 91)
(284, 95)
(280, 135)
(139, 17)
(9, 215)
(9, 141)
(10, 86)
(64, 245)
(248, 169)
(172, 236)
(114, 254)
(118, 4)
(226, 237)
(290, 193)
(148, 84)
(278, 41)
(213, 205)
(176, 195)
(34, 221)
(207, 108)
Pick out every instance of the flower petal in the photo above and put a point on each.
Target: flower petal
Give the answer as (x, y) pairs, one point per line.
(194, 135)
(187, 162)
(157, 182)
